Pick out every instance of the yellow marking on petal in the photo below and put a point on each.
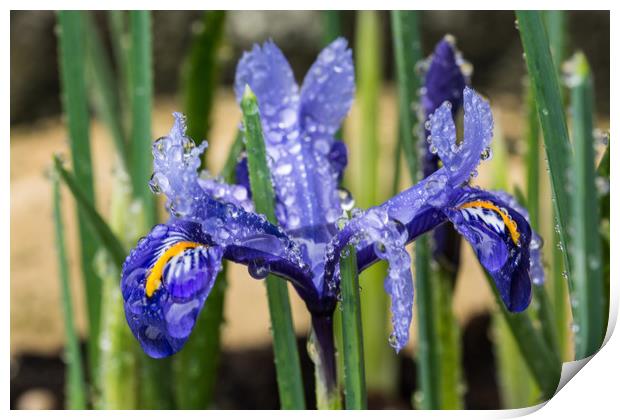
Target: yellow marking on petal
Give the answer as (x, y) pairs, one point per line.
(510, 224)
(153, 281)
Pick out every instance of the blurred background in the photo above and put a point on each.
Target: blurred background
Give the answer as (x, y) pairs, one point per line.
(488, 40)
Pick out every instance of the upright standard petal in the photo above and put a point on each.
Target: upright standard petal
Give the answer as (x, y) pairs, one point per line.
(328, 89)
(501, 238)
(269, 75)
(444, 80)
(461, 159)
(165, 281)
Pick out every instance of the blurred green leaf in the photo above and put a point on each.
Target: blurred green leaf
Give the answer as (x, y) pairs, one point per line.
(75, 105)
(550, 108)
(120, 351)
(75, 386)
(587, 296)
(141, 74)
(379, 358)
(104, 88)
(200, 73)
(98, 226)
(543, 363)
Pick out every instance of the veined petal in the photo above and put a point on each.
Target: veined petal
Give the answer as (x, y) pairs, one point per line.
(375, 233)
(269, 75)
(328, 89)
(501, 238)
(304, 163)
(444, 80)
(537, 272)
(165, 281)
(175, 173)
(460, 160)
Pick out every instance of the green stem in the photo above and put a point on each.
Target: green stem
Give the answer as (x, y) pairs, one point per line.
(75, 386)
(75, 104)
(354, 378)
(428, 346)
(288, 370)
(587, 296)
(141, 108)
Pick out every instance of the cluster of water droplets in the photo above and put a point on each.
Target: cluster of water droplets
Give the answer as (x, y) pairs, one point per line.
(388, 238)
(220, 190)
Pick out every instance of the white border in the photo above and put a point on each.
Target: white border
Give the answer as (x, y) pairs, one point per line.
(592, 392)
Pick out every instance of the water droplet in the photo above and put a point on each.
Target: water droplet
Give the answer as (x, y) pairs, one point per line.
(258, 269)
(284, 169)
(347, 202)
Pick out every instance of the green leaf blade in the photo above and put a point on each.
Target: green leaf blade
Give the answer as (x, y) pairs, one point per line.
(587, 296)
(354, 376)
(76, 396)
(288, 370)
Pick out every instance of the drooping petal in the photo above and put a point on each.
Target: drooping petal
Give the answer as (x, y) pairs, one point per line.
(165, 281)
(537, 272)
(461, 160)
(501, 238)
(222, 210)
(375, 233)
(328, 89)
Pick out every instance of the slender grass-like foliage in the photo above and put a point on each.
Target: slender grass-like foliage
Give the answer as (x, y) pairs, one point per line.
(543, 363)
(331, 25)
(100, 228)
(555, 22)
(288, 370)
(551, 116)
(104, 89)
(354, 378)
(120, 353)
(587, 294)
(75, 104)
(200, 75)
(120, 42)
(379, 358)
(141, 68)
(75, 386)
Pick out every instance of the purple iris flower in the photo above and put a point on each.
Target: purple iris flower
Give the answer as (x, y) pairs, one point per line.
(444, 80)
(168, 276)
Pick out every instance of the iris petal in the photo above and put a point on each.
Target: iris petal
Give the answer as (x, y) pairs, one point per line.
(501, 238)
(268, 73)
(328, 89)
(444, 79)
(165, 281)
(461, 160)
